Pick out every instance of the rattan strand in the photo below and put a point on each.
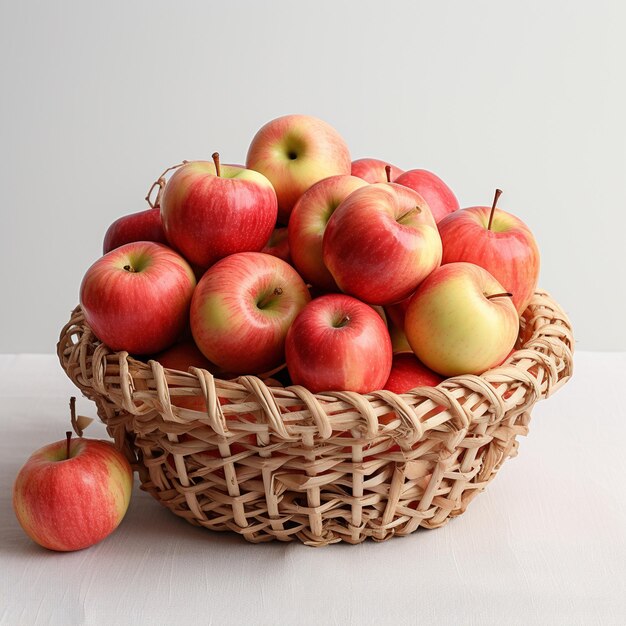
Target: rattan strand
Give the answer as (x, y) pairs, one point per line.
(283, 463)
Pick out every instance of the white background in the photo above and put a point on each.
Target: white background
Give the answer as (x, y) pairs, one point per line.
(97, 98)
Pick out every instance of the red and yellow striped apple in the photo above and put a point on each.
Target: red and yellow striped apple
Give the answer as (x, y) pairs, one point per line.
(338, 343)
(461, 321)
(136, 297)
(497, 241)
(308, 222)
(210, 211)
(375, 170)
(142, 226)
(295, 152)
(381, 242)
(408, 372)
(71, 494)
(242, 308)
(439, 197)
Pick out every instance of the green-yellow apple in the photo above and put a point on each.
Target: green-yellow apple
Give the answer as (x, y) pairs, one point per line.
(381, 242)
(407, 372)
(242, 308)
(142, 226)
(73, 493)
(461, 321)
(375, 170)
(439, 197)
(210, 211)
(308, 222)
(136, 297)
(497, 241)
(295, 152)
(338, 343)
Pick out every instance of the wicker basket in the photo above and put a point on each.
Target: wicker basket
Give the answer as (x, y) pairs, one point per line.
(282, 463)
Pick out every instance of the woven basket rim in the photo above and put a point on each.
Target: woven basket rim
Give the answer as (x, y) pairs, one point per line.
(545, 338)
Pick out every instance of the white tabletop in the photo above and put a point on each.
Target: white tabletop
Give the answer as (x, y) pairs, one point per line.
(544, 544)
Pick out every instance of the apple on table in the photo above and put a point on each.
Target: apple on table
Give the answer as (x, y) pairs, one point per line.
(73, 493)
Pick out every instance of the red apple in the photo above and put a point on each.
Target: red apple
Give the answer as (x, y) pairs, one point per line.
(136, 297)
(374, 170)
(338, 343)
(439, 197)
(295, 152)
(381, 242)
(278, 244)
(407, 373)
(461, 321)
(70, 501)
(181, 357)
(142, 226)
(497, 241)
(184, 355)
(241, 311)
(210, 211)
(308, 222)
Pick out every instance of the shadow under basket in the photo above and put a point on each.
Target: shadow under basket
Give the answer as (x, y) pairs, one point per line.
(283, 463)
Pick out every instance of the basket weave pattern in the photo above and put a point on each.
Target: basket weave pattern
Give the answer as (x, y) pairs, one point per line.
(282, 463)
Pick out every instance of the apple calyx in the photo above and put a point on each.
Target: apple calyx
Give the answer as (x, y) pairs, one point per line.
(342, 322)
(216, 159)
(504, 294)
(130, 268)
(493, 207)
(388, 172)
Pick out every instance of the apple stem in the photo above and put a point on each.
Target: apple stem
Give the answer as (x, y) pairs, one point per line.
(278, 291)
(388, 172)
(500, 295)
(68, 439)
(415, 209)
(130, 268)
(493, 207)
(216, 159)
(343, 321)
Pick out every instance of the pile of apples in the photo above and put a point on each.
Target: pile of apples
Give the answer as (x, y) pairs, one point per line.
(355, 274)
